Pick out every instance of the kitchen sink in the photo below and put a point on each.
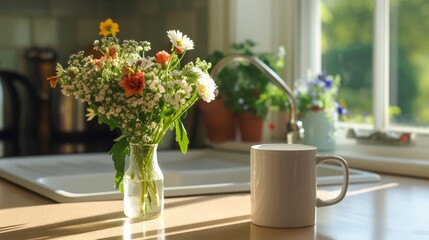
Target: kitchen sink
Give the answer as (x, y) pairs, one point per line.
(90, 177)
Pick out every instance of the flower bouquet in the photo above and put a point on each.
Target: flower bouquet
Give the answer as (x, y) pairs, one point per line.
(142, 96)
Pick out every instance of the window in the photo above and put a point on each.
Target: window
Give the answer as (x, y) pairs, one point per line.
(379, 49)
(353, 38)
(409, 61)
(347, 44)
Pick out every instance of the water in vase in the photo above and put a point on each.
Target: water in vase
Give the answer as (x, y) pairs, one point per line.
(143, 198)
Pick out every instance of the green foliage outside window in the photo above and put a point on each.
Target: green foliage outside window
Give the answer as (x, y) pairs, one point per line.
(347, 49)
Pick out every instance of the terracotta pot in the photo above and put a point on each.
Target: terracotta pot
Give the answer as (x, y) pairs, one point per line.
(219, 121)
(250, 127)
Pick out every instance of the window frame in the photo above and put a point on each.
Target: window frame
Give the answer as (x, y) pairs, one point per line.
(381, 79)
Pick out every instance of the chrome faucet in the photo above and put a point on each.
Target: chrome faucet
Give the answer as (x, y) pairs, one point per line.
(293, 127)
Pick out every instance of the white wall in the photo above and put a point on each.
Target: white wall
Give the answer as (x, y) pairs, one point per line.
(252, 19)
(270, 23)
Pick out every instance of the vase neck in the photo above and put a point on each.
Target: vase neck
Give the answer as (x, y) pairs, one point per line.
(142, 146)
(143, 156)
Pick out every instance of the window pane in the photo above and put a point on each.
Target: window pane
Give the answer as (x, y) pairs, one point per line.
(347, 43)
(409, 62)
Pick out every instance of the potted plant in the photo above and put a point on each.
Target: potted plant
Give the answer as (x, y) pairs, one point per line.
(318, 109)
(246, 92)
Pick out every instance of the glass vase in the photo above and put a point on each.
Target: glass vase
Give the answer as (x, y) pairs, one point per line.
(143, 183)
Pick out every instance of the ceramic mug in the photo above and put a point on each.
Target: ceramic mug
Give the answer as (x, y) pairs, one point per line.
(283, 184)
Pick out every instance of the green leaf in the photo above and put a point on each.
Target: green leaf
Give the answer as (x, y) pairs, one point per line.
(168, 112)
(118, 152)
(118, 181)
(181, 136)
(120, 138)
(103, 119)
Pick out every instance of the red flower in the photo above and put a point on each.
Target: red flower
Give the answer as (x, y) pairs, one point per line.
(112, 53)
(162, 57)
(133, 84)
(178, 50)
(53, 80)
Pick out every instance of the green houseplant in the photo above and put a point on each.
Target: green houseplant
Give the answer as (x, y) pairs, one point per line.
(246, 91)
(318, 109)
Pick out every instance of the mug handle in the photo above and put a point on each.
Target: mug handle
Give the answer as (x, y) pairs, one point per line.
(340, 160)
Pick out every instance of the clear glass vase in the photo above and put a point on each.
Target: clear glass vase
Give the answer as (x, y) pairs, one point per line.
(143, 183)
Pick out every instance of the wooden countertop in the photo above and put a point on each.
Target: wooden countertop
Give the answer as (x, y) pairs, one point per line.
(394, 208)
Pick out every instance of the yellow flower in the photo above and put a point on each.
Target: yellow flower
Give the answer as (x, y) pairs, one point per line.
(91, 114)
(108, 27)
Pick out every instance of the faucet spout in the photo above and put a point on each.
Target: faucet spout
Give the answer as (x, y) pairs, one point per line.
(293, 128)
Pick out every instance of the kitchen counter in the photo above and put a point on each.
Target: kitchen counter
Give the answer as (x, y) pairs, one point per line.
(394, 208)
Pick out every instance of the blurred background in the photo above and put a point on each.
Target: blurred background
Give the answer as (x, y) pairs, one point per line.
(37, 34)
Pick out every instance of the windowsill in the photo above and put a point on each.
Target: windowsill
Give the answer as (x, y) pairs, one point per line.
(409, 160)
(386, 159)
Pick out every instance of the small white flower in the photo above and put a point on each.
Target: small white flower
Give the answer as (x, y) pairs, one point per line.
(152, 87)
(180, 41)
(206, 87)
(145, 63)
(133, 58)
(161, 89)
(101, 109)
(115, 63)
(73, 70)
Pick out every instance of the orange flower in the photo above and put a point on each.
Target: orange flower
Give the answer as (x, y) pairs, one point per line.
(110, 53)
(53, 80)
(108, 27)
(97, 63)
(162, 57)
(133, 84)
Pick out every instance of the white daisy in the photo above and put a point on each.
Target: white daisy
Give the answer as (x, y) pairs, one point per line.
(59, 70)
(180, 42)
(206, 87)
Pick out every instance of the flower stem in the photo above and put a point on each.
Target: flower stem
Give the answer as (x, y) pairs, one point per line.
(143, 172)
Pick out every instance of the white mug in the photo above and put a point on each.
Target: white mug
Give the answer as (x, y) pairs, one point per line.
(283, 184)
